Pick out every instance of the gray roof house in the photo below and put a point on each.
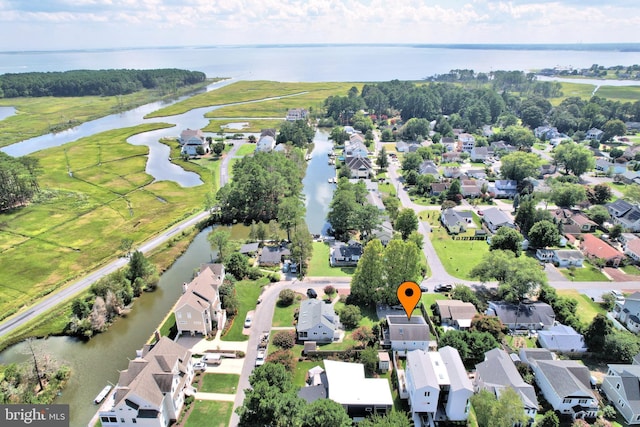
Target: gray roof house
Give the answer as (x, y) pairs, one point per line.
(562, 338)
(630, 220)
(567, 258)
(317, 321)
(495, 218)
(453, 221)
(594, 133)
(456, 313)
(618, 208)
(345, 254)
(621, 385)
(249, 248)
(272, 255)
(428, 167)
(628, 312)
(531, 316)
(384, 232)
(498, 372)
(360, 167)
(504, 188)
(405, 334)
(265, 144)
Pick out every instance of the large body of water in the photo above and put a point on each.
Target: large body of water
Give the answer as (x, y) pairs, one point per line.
(95, 363)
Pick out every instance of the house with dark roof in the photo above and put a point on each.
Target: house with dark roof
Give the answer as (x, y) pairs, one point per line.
(199, 310)
(594, 134)
(296, 114)
(359, 167)
(249, 248)
(271, 256)
(562, 338)
(438, 386)
(628, 312)
(151, 391)
(428, 167)
(317, 321)
(504, 188)
(497, 373)
(453, 221)
(630, 220)
(621, 385)
(345, 254)
(523, 316)
(384, 232)
(565, 384)
(455, 313)
(593, 247)
(495, 218)
(404, 334)
(439, 187)
(618, 208)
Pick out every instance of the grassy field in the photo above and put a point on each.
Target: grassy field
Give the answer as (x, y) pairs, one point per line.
(631, 269)
(319, 264)
(452, 252)
(39, 116)
(246, 149)
(587, 309)
(620, 93)
(254, 125)
(210, 413)
(248, 292)
(299, 95)
(588, 273)
(219, 383)
(581, 90)
(78, 222)
(283, 316)
(428, 299)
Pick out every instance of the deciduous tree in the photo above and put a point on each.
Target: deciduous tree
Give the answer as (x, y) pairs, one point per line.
(406, 222)
(507, 238)
(520, 165)
(543, 234)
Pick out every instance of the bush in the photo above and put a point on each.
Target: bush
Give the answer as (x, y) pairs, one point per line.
(609, 412)
(254, 273)
(273, 278)
(350, 316)
(284, 339)
(329, 290)
(283, 357)
(286, 298)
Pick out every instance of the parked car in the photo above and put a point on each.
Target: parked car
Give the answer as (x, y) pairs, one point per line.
(260, 358)
(424, 287)
(618, 295)
(199, 366)
(311, 293)
(442, 288)
(247, 322)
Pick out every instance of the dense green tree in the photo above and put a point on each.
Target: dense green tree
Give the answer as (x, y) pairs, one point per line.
(382, 160)
(613, 128)
(454, 193)
(220, 241)
(549, 419)
(597, 332)
(369, 274)
(392, 206)
(406, 222)
(324, 413)
(490, 324)
(411, 162)
(505, 411)
(615, 231)
(18, 180)
(350, 316)
(237, 265)
(620, 347)
(598, 214)
(416, 129)
(298, 132)
(367, 219)
(391, 419)
(566, 195)
(520, 165)
(599, 194)
(338, 135)
(543, 234)
(301, 248)
(507, 238)
(575, 158)
(471, 345)
(290, 214)
(218, 148)
(401, 263)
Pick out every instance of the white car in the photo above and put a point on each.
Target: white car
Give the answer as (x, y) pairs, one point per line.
(260, 358)
(247, 322)
(199, 366)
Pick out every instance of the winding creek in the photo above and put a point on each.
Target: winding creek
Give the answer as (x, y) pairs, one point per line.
(96, 363)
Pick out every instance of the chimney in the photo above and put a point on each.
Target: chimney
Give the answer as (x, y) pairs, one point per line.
(157, 335)
(184, 287)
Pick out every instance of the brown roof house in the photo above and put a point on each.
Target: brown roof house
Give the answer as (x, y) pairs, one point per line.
(456, 313)
(199, 311)
(151, 391)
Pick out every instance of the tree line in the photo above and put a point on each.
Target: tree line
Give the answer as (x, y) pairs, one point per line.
(18, 180)
(94, 82)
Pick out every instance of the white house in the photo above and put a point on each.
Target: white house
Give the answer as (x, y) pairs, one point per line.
(199, 309)
(594, 134)
(407, 334)
(628, 312)
(468, 142)
(151, 391)
(438, 386)
(567, 258)
(296, 114)
(265, 144)
(621, 385)
(190, 140)
(317, 321)
(498, 373)
(495, 218)
(632, 249)
(562, 338)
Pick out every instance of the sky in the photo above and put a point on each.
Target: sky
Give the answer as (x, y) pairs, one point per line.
(86, 24)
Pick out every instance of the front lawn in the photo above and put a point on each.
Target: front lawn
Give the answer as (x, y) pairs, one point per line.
(428, 299)
(248, 292)
(209, 413)
(458, 256)
(283, 316)
(631, 269)
(587, 309)
(319, 264)
(588, 273)
(219, 383)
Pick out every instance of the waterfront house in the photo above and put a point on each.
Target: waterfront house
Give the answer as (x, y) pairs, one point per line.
(359, 167)
(345, 254)
(317, 321)
(265, 144)
(190, 140)
(272, 256)
(296, 114)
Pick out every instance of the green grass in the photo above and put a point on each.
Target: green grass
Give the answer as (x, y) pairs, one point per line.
(319, 264)
(168, 328)
(248, 292)
(580, 90)
(620, 93)
(300, 373)
(219, 383)
(387, 188)
(246, 149)
(428, 299)
(283, 316)
(631, 269)
(77, 222)
(253, 125)
(451, 252)
(38, 116)
(210, 413)
(588, 273)
(587, 309)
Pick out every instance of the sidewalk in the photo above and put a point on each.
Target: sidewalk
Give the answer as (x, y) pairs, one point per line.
(202, 345)
(215, 396)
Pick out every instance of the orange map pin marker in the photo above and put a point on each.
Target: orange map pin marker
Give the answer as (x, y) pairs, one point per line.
(409, 294)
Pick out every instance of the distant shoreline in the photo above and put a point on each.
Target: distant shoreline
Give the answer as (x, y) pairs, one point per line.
(597, 47)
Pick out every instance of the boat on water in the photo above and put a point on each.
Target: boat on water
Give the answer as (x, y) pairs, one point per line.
(100, 397)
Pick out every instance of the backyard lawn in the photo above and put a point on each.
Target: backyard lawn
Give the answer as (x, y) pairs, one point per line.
(209, 413)
(587, 309)
(248, 292)
(219, 383)
(428, 299)
(458, 256)
(300, 373)
(246, 149)
(319, 264)
(588, 273)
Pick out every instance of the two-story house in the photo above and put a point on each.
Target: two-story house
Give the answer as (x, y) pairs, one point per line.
(621, 385)
(317, 321)
(199, 310)
(523, 316)
(405, 334)
(151, 391)
(628, 312)
(438, 386)
(296, 114)
(190, 140)
(468, 142)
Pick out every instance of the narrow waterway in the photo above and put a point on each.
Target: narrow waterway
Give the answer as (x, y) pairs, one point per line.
(317, 189)
(6, 112)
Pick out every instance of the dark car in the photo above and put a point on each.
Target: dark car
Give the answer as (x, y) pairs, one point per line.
(442, 288)
(312, 293)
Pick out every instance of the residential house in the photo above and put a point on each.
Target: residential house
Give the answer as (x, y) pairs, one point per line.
(345, 254)
(621, 385)
(618, 208)
(407, 146)
(468, 142)
(360, 396)
(190, 140)
(384, 232)
(500, 147)
(630, 220)
(619, 166)
(448, 143)
(479, 154)
(594, 134)
(439, 187)
(628, 177)
(628, 312)
(359, 167)
(546, 132)
(199, 310)
(495, 218)
(498, 373)
(374, 199)
(272, 256)
(544, 255)
(627, 237)
(504, 188)
(452, 172)
(265, 144)
(528, 316)
(548, 169)
(456, 313)
(566, 385)
(585, 224)
(631, 152)
(593, 248)
(470, 188)
(151, 391)
(453, 221)
(317, 321)
(406, 334)
(477, 174)
(567, 258)
(562, 338)
(250, 248)
(428, 167)
(355, 148)
(438, 386)
(632, 249)
(296, 114)
(451, 157)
